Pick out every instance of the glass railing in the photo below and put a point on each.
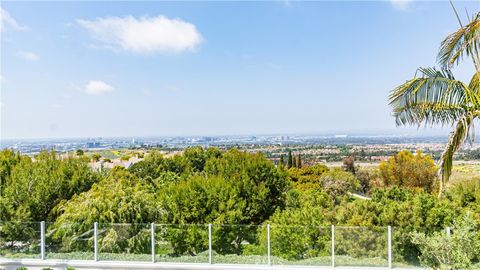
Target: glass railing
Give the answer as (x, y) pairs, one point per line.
(216, 244)
(20, 239)
(361, 246)
(405, 253)
(181, 243)
(301, 245)
(124, 242)
(239, 244)
(72, 241)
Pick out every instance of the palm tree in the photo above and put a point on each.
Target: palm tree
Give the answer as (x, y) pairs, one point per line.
(435, 97)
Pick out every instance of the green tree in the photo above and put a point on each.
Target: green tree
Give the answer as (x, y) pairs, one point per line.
(337, 182)
(299, 162)
(37, 187)
(8, 160)
(437, 97)
(281, 162)
(366, 177)
(235, 188)
(307, 177)
(196, 158)
(303, 231)
(119, 198)
(79, 152)
(254, 175)
(289, 160)
(96, 157)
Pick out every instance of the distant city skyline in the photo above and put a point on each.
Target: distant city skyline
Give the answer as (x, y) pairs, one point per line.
(132, 69)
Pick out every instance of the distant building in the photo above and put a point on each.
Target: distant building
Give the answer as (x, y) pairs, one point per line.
(93, 144)
(379, 158)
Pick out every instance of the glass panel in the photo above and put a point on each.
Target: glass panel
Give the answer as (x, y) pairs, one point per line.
(124, 242)
(20, 239)
(361, 246)
(300, 245)
(404, 252)
(181, 243)
(239, 244)
(69, 241)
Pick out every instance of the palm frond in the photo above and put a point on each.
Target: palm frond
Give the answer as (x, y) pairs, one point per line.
(474, 84)
(435, 97)
(463, 131)
(463, 42)
(428, 113)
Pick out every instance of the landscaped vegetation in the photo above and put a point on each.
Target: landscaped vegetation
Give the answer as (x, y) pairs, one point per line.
(239, 193)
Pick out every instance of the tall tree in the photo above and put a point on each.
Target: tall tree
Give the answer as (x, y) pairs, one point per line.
(281, 162)
(349, 164)
(437, 97)
(299, 162)
(289, 159)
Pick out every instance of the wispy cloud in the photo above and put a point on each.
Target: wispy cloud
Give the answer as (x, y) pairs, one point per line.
(146, 35)
(401, 4)
(28, 56)
(98, 87)
(8, 21)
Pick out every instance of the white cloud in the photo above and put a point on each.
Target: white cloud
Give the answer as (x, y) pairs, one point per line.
(29, 56)
(97, 88)
(400, 4)
(144, 35)
(8, 21)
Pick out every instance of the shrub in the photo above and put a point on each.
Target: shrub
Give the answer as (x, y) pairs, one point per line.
(459, 250)
(366, 178)
(407, 170)
(337, 182)
(307, 177)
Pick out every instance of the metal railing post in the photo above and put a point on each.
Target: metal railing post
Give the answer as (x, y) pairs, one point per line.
(42, 240)
(210, 243)
(95, 241)
(333, 245)
(152, 236)
(389, 247)
(268, 245)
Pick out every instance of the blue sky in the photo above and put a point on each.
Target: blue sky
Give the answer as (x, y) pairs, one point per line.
(88, 69)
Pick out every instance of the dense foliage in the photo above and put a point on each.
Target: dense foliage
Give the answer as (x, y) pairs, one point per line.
(406, 169)
(455, 251)
(32, 188)
(202, 186)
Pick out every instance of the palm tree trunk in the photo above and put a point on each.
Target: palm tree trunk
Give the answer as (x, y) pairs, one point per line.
(441, 183)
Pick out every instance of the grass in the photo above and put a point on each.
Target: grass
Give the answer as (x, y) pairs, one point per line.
(464, 171)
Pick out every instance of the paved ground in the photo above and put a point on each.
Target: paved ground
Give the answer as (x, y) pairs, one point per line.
(37, 264)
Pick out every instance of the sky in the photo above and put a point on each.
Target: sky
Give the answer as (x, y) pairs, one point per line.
(99, 69)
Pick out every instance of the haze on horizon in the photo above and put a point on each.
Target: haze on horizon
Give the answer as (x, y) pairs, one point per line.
(97, 69)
